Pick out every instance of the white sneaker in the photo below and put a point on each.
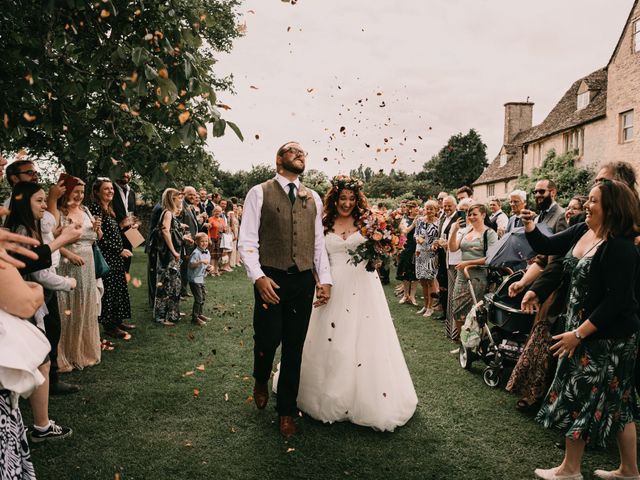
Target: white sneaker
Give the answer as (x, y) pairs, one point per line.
(428, 312)
(421, 311)
(403, 300)
(455, 351)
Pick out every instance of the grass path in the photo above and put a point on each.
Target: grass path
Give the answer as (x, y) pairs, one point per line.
(141, 414)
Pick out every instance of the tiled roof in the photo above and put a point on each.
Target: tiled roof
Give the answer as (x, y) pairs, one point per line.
(512, 169)
(565, 114)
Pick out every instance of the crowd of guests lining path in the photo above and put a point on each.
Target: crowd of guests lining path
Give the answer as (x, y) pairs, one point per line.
(65, 261)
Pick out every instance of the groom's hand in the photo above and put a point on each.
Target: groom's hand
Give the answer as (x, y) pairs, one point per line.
(266, 288)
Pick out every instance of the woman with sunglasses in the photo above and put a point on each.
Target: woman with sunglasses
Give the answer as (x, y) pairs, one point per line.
(593, 396)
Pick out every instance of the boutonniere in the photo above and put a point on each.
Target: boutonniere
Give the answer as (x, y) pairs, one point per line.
(303, 195)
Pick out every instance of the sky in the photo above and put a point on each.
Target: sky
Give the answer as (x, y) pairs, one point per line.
(385, 84)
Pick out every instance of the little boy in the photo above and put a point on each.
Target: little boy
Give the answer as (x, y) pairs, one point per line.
(198, 266)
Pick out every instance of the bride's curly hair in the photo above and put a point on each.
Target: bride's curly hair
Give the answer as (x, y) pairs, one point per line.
(339, 183)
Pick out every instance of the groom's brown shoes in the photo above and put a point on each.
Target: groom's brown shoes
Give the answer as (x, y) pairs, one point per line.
(261, 395)
(287, 427)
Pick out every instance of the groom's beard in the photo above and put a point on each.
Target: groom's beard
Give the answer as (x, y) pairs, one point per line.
(291, 167)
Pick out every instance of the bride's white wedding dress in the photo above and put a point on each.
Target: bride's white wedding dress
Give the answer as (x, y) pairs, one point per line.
(352, 365)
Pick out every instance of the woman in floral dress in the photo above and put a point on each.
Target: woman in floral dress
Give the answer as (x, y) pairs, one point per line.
(166, 309)
(592, 396)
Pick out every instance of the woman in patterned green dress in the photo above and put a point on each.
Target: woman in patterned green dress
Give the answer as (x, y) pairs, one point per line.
(592, 395)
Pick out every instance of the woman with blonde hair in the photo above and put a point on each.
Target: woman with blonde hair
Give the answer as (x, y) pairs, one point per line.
(426, 255)
(166, 308)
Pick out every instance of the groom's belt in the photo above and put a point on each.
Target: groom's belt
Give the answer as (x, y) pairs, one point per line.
(289, 271)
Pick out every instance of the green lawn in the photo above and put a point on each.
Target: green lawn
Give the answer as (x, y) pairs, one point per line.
(139, 414)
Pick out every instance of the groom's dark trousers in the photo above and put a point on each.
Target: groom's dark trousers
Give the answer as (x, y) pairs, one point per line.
(285, 323)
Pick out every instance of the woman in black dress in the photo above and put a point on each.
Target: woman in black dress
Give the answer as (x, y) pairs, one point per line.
(116, 306)
(406, 262)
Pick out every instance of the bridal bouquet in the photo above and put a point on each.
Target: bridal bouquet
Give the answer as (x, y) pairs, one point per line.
(380, 244)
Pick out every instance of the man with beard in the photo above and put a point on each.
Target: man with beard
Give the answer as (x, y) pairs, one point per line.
(549, 212)
(189, 217)
(282, 247)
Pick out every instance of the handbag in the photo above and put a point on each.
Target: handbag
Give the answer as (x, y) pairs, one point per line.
(101, 265)
(226, 241)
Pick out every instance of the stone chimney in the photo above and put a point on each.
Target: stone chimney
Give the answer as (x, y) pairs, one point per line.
(518, 116)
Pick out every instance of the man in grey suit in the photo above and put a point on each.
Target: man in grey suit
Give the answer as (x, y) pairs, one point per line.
(549, 212)
(188, 217)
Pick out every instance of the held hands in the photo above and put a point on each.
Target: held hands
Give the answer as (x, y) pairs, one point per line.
(267, 289)
(323, 294)
(530, 302)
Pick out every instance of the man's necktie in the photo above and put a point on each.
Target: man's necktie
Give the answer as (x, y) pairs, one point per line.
(292, 192)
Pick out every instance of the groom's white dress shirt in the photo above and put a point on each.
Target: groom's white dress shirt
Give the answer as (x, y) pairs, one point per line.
(248, 239)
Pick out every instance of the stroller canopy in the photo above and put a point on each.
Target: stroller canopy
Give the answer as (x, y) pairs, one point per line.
(513, 249)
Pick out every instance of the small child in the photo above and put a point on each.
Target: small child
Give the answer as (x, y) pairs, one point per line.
(198, 266)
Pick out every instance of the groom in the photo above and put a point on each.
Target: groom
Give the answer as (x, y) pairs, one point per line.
(281, 243)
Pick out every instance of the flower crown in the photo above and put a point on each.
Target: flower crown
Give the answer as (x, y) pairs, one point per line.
(340, 182)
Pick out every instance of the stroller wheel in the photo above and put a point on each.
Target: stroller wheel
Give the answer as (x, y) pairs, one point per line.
(491, 377)
(465, 357)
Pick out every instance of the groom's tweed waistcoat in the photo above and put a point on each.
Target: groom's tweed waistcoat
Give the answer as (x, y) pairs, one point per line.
(287, 232)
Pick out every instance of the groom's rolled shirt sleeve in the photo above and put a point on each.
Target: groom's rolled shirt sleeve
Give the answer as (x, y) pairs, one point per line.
(248, 239)
(320, 256)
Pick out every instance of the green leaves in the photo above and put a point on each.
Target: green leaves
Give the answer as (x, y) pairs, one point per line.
(139, 55)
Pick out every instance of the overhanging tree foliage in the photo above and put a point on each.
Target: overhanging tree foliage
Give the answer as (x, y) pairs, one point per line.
(460, 162)
(113, 84)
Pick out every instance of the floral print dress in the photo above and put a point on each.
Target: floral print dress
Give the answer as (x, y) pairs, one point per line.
(592, 395)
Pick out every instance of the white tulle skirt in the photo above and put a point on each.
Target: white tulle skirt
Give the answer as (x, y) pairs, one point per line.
(353, 368)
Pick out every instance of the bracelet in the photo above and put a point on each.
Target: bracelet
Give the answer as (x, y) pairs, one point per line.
(578, 335)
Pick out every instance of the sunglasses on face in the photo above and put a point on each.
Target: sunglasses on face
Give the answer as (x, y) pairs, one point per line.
(296, 151)
(540, 191)
(31, 173)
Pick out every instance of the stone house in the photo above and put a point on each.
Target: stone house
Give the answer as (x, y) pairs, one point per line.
(594, 118)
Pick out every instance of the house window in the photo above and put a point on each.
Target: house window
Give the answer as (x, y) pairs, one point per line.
(491, 189)
(506, 187)
(583, 100)
(574, 141)
(626, 126)
(635, 42)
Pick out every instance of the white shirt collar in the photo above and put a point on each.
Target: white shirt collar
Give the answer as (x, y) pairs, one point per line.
(284, 182)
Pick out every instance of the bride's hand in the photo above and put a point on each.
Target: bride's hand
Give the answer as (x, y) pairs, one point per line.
(323, 293)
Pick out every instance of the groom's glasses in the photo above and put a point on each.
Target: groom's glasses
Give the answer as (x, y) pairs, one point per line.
(296, 151)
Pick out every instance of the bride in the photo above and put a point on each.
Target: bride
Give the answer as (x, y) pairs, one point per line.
(352, 365)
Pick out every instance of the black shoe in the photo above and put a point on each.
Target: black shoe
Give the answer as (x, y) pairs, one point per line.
(54, 432)
(63, 388)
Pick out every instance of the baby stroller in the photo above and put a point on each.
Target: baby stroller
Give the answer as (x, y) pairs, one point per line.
(503, 330)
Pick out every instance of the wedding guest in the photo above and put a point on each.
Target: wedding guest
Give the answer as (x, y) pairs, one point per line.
(216, 228)
(444, 226)
(601, 331)
(440, 198)
(406, 272)
(188, 216)
(234, 226)
(20, 171)
(116, 306)
(26, 207)
(199, 263)
(517, 201)
(475, 241)
(498, 217)
(80, 337)
(205, 204)
(575, 208)
(426, 255)
(549, 212)
(151, 249)
(125, 209)
(453, 259)
(166, 310)
(464, 192)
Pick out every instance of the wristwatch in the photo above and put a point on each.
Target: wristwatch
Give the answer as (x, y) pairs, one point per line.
(577, 334)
